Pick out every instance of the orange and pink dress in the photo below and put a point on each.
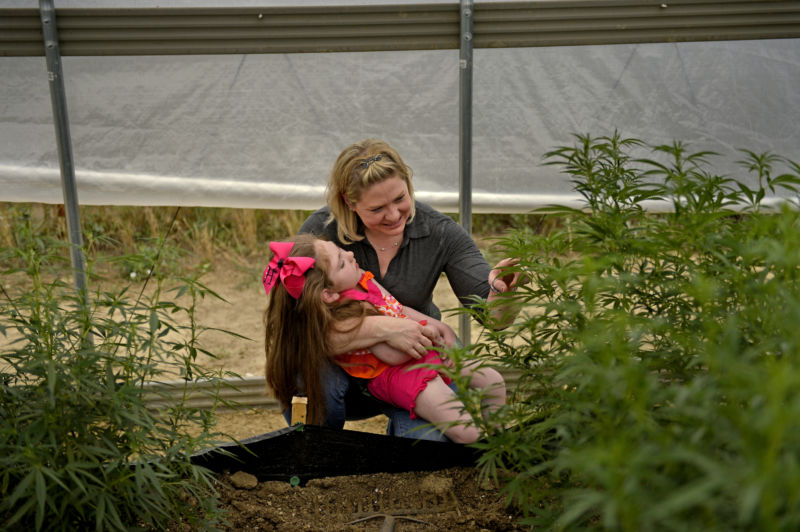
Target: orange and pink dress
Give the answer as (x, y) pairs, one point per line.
(397, 385)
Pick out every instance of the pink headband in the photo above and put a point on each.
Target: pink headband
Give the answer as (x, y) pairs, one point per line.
(290, 270)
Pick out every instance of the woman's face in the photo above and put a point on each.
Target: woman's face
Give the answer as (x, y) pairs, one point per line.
(384, 207)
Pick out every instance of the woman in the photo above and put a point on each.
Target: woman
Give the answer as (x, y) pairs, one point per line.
(406, 245)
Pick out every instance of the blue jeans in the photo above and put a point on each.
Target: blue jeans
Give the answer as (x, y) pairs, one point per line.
(346, 399)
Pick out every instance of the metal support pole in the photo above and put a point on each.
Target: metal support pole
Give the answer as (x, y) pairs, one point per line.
(465, 136)
(58, 99)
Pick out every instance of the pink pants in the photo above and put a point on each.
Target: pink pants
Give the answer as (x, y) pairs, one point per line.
(400, 386)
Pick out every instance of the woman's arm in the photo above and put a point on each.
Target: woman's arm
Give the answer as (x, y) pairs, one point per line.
(467, 273)
(445, 336)
(406, 336)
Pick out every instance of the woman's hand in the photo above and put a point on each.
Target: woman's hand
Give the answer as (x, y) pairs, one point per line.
(446, 337)
(501, 280)
(410, 337)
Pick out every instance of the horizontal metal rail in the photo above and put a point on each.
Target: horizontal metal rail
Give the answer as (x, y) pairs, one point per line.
(247, 392)
(252, 30)
(243, 393)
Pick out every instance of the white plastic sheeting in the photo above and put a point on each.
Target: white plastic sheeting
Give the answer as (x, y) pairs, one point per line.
(262, 131)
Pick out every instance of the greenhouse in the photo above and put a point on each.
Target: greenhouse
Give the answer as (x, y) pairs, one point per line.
(635, 166)
(152, 126)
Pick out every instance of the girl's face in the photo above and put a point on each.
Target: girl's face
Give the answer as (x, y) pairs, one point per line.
(385, 207)
(343, 270)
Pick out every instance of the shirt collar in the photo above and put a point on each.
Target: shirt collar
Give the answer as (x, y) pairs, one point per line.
(419, 227)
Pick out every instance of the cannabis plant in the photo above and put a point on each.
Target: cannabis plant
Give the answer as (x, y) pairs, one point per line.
(80, 448)
(658, 353)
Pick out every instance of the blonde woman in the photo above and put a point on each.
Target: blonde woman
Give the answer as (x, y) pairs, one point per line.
(406, 245)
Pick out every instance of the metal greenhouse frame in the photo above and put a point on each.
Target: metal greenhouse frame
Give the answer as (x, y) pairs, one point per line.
(54, 33)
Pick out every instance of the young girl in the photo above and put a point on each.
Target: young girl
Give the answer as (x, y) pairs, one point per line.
(317, 288)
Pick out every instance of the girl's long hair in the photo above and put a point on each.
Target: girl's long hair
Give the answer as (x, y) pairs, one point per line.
(297, 334)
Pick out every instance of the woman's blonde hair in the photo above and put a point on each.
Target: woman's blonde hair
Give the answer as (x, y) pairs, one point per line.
(358, 167)
(296, 341)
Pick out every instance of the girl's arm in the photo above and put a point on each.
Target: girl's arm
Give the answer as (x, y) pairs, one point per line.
(390, 355)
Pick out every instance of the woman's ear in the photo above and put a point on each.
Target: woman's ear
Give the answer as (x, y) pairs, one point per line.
(347, 202)
(329, 296)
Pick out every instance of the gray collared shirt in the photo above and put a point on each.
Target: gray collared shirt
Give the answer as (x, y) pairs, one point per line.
(432, 244)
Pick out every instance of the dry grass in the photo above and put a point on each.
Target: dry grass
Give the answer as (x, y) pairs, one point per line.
(203, 233)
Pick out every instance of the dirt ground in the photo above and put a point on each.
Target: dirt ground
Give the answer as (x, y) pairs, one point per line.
(450, 499)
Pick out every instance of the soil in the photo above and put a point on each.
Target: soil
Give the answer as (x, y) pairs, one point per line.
(449, 499)
(452, 499)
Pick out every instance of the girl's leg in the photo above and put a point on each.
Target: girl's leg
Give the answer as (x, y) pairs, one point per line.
(491, 381)
(438, 404)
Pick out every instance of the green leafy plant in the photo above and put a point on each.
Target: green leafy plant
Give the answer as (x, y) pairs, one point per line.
(80, 447)
(658, 354)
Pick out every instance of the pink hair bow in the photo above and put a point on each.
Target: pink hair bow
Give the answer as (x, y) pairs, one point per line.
(290, 270)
